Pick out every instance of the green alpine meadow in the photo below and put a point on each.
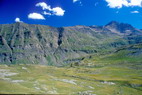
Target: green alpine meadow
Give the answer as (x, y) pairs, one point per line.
(73, 60)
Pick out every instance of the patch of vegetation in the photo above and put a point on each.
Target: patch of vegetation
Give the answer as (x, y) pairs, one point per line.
(39, 79)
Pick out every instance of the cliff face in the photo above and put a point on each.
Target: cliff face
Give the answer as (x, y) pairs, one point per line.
(40, 44)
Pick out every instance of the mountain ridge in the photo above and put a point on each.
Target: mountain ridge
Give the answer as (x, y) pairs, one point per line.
(31, 43)
(73, 25)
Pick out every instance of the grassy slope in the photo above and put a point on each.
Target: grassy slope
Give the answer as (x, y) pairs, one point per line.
(119, 73)
(50, 80)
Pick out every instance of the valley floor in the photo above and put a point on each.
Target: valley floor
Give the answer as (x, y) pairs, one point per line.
(38, 79)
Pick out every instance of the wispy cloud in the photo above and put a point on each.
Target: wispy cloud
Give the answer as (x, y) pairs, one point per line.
(78, 1)
(43, 5)
(46, 13)
(134, 11)
(96, 3)
(74, 1)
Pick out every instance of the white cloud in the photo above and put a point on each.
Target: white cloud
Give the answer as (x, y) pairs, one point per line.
(134, 11)
(121, 3)
(17, 20)
(36, 16)
(75, 1)
(116, 3)
(78, 1)
(46, 13)
(136, 3)
(58, 11)
(43, 5)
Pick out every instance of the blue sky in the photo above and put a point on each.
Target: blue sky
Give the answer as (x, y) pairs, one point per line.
(71, 12)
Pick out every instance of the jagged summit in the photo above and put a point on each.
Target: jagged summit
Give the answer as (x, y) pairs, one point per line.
(113, 23)
(116, 24)
(120, 28)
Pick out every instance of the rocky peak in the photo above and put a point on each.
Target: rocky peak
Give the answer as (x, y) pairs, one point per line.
(113, 23)
(117, 27)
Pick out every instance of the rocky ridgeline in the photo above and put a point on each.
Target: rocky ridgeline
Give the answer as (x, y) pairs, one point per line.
(22, 43)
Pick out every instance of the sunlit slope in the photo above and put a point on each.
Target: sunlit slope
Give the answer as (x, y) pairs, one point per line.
(116, 73)
(36, 79)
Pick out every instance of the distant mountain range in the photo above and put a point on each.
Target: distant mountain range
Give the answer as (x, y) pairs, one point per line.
(22, 43)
